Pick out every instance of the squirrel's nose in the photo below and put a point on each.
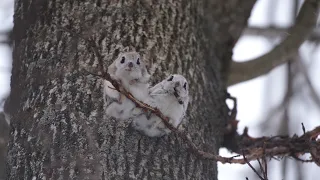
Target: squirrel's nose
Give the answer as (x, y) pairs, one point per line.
(177, 84)
(130, 64)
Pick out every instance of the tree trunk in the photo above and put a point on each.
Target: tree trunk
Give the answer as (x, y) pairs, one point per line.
(58, 126)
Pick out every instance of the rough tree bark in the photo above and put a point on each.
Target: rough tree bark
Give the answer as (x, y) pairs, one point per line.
(58, 126)
(4, 135)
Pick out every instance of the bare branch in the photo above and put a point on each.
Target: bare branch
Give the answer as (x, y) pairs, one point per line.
(264, 161)
(254, 148)
(8, 37)
(264, 168)
(234, 110)
(305, 22)
(5, 32)
(303, 128)
(254, 170)
(302, 160)
(273, 32)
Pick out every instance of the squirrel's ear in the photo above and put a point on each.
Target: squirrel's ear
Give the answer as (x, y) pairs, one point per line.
(126, 49)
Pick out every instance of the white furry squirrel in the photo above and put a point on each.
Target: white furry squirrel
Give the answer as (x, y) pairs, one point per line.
(171, 97)
(131, 72)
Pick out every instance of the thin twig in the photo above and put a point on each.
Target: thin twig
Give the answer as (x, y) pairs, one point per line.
(303, 128)
(234, 110)
(277, 146)
(302, 160)
(254, 170)
(264, 161)
(253, 155)
(260, 166)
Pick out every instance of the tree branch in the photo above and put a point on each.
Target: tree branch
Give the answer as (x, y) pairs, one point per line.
(8, 37)
(305, 22)
(254, 170)
(255, 148)
(272, 32)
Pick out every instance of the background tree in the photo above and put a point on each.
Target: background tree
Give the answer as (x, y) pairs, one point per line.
(58, 125)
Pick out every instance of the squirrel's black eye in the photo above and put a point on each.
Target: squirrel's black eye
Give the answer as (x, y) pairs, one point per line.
(171, 78)
(185, 86)
(138, 61)
(122, 60)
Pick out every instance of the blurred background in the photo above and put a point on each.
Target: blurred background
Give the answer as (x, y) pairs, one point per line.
(277, 103)
(274, 104)
(6, 24)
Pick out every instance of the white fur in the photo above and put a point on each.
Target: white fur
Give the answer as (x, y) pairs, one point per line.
(109, 90)
(134, 79)
(165, 96)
